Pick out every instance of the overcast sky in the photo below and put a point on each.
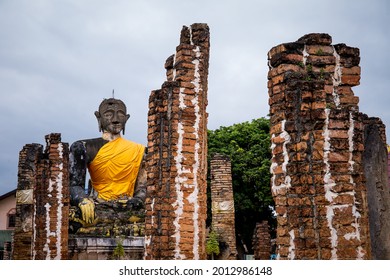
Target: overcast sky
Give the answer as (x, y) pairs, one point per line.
(59, 59)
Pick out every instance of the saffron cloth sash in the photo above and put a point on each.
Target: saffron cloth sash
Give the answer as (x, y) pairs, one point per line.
(115, 168)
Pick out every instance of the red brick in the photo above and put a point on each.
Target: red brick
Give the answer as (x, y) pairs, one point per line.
(351, 80)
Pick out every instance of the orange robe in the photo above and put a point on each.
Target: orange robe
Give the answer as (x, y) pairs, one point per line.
(115, 168)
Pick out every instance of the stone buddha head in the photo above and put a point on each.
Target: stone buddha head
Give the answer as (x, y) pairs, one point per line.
(112, 116)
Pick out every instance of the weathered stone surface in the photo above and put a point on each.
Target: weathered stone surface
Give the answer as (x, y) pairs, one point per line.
(95, 248)
(378, 193)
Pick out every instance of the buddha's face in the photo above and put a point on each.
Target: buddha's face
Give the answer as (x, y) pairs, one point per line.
(112, 116)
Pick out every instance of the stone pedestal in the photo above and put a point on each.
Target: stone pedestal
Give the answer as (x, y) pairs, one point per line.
(94, 248)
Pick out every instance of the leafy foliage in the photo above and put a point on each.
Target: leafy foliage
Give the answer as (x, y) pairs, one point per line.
(212, 244)
(248, 146)
(119, 251)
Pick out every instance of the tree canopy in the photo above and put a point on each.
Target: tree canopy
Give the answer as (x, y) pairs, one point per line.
(248, 146)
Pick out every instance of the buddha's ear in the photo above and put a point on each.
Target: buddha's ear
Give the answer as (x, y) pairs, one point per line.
(124, 125)
(98, 117)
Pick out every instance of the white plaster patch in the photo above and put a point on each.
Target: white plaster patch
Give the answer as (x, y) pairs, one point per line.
(329, 183)
(305, 55)
(336, 78)
(360, 253)
(48, 232)
(350, 141)
(174, 69)
(353, 235)
(50, 188)
(193, 198)
(291, 248)
(182, 105)
(191, 42)
(60, 150)
(287, 179)
(59, 197)
(278, 254)
(34, 252)
(333, 232)
(178, 204)
(152, 210)
(148, 238)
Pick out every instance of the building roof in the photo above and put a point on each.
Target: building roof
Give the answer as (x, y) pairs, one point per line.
(13, 192)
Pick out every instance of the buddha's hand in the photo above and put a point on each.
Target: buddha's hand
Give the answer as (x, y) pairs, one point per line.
(87, 207)
(135, 203)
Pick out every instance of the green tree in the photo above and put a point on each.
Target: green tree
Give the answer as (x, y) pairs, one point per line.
(248, 146)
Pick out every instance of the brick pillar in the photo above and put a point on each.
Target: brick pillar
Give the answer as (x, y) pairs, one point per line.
(27, 170)
(177, 153)
(52, 201)
(43, 201)
(262, 241)
(222, 207)
(317, 144)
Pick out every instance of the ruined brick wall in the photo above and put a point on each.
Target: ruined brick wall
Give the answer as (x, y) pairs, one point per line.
(222, 206)
(317, 144)
(42, 207)
(262, 241)
(23, 233)
(177, 153)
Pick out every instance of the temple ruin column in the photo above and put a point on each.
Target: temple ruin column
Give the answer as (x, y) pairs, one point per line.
(27, 170)
(51, 198)
(262, 241)
(43, 201)
(222, 206)
(317, 145)
(177, 153)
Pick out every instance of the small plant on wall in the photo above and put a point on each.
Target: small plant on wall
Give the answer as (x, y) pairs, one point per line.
(212, 244)
(119, 252)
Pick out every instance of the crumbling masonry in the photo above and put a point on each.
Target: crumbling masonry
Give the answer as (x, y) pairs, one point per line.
(318, 139)
(42, 207)
(177, 153)
(262, 241)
